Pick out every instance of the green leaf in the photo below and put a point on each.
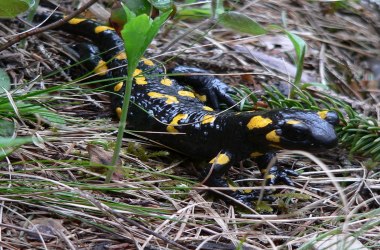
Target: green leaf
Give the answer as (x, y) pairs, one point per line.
(138, 33)
(240, 22)
(193, 13)
(300, 48)
(11, 8)
(299, 45)
(9, 144)
(134, 34)
(314, 84)
(138, 7)
(7, 128)
(118, 18)
(263, 207)
(14, 142)
(30, 111)
(162, 5)
(5, 81)
(119, 15)
(217, 7)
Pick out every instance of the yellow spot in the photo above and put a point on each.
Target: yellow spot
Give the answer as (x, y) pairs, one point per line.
(291, 122)
(221, 159)
(208, 119)
(166, 82)
(171, 129)
(121, 56)
(140, 80)
(323, 114)
(202, 98)
(269, 176)
(100, 29)
(75, 21)
(148, 62)
(233, 188)
(186, 93)
(101, 68)
(255, 154)
(272, 136)
(137, 72)
(174, 122)
(207, 108)
(118, 112)
(118, 87)
(258, 122)
(169, 99)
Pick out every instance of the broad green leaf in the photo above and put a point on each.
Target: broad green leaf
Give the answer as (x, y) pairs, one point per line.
(300, 48)
(240, 22)
(134, 34)
(7, 128)
(299, 45)
(5, 81)
(11, 8)
(6, 142)
(138, 33)
(9, 144)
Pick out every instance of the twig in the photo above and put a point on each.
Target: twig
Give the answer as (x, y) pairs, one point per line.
(47, 27)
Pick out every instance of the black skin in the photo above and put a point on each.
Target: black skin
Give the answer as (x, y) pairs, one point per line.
(186, 124)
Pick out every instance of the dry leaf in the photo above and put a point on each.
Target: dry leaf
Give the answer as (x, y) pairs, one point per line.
(100, 157)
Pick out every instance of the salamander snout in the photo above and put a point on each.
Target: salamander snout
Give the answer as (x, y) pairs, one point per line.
(307, 130)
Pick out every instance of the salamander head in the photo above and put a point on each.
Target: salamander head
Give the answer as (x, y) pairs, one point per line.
(296, 129)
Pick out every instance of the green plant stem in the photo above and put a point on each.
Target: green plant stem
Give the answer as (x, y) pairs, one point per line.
(122, 124)
(297, 78)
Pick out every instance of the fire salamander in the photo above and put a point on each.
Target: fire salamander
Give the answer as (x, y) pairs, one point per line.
(189, 120)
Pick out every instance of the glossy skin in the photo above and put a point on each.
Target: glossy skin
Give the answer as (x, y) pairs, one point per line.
(181, 118)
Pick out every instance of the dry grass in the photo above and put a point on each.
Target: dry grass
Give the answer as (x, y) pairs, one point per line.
(155, 201)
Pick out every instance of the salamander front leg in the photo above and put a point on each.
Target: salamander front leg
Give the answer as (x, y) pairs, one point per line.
(214, 176)
(211, 88)
(276, 174)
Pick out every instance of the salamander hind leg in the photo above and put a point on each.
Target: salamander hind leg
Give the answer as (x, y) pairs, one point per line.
(214, 176)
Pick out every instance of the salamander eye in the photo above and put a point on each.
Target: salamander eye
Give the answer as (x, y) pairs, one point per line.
(332, 118)
(296, 132)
